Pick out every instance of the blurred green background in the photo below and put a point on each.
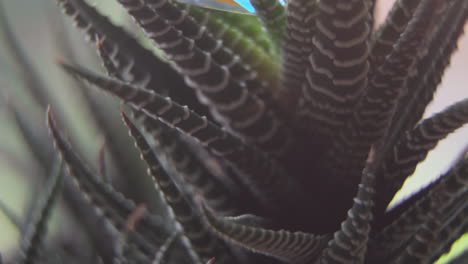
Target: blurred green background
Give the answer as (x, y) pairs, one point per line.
(36, 23)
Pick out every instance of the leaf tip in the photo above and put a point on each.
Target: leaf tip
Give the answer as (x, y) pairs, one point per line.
(51, 122)
(134, 217)
(125, 118)
(49, 114)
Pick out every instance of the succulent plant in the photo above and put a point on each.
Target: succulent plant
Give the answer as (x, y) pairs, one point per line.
(279, 137)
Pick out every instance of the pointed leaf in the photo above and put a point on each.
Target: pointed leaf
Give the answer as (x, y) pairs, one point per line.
(350, 243)
(126, 59)
(192, 172)
(133, 62)
(32, 133)
(426, 239)
(291, 247)
(199, 60)
(250, 220)
(105, 199)
(451, 232)
(202, 242)
(223, 42)
(36, 227)
(414, 147)
(97, 26)
(438, 200)
(136, 63)
(370, 120)
(388, 33)
(262, 175)
(189, 167)
(429, 70)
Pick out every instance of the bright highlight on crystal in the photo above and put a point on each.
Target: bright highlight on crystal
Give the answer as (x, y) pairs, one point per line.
(239, 6)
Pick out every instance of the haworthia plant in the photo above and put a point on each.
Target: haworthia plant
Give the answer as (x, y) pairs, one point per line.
(274, 137)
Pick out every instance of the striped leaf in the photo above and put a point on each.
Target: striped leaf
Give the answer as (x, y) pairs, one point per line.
(96, 26)
(262, 175)
(186, 163)
(414, 147)
(209, 68)
(369, 122)
(451, 232)
(429, 70)
(36, 227)
(336, 76)
(349, 244)
(389, 32)
(249, 62)
(135, 63)
(291, 247)
(202, 242)
(426, 238)
(111, 204)
(440, 203)
(222, 41)
(303, 114)
(297, 46)
(189, 168)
